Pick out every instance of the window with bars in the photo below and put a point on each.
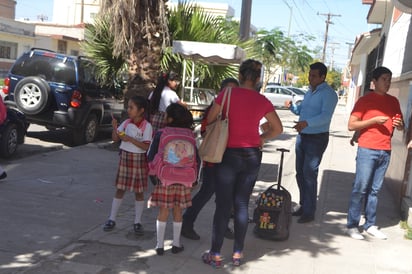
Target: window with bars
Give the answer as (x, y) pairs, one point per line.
(8, 50)
(62, 46)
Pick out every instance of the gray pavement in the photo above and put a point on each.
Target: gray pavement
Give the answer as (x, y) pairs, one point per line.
(53, 206)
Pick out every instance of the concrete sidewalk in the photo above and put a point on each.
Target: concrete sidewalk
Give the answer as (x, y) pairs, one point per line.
(53, 206)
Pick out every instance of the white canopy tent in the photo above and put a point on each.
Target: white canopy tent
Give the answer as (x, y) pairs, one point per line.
(210, 53)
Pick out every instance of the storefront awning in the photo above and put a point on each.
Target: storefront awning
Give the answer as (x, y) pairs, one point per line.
(211, 53)
(364, 44)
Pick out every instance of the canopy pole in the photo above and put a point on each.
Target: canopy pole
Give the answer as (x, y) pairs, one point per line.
(183, 80)
(193, 77)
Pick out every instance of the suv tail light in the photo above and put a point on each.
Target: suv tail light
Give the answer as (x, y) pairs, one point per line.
(6, 85)
(76, 100)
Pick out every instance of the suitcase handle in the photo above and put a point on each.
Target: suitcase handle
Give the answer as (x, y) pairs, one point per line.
(282, 150)
(279, 187)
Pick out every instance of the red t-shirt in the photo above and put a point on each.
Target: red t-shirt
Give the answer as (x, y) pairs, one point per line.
(246, 109)
(372, 105)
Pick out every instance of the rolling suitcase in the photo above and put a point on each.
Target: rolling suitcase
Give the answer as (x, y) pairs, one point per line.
(273, 212)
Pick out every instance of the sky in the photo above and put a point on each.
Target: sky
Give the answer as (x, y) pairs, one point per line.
(304, 16)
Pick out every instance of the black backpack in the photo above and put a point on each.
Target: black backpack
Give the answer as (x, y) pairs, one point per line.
(273, 212)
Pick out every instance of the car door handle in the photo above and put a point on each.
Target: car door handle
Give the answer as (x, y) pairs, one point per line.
(61, 90)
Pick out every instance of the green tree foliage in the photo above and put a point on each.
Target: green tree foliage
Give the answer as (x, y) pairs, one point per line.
(119, 37)
(278, 52)
(189, 22)
(334, 79)
(98, 44)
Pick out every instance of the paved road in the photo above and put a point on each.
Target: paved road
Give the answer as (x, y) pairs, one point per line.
(40, 140)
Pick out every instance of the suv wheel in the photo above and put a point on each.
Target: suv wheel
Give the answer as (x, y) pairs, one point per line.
(9, 141)
(88, 132)
(32, 95)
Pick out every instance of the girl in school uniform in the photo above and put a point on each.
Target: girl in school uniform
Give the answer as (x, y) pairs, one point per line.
(175, 196)
(135, 135)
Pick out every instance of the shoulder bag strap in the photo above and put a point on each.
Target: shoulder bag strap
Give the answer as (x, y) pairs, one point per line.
(228, 90)
(223, 103)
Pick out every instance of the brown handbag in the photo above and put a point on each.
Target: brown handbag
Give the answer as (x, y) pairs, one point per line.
(217, 133)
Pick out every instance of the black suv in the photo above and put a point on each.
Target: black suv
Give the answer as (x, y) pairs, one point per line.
(57, 90)
(12, 132)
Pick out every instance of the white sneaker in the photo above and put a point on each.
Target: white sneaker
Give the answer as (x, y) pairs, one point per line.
(373, 230)
(354, 233)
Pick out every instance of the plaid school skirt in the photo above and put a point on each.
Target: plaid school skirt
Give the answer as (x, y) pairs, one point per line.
(157, 120)
(171, 196)
(132, 173)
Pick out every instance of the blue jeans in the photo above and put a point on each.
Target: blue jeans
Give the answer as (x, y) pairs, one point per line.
(371, 166)
(206, 191)
(235, 178)
(309, 150)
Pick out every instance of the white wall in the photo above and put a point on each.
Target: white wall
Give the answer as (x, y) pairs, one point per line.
(395, 45)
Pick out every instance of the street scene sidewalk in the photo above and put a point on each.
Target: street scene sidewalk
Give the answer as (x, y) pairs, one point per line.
(53, 206)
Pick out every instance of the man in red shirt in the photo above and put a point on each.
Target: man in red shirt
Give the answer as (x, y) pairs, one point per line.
(375, 115)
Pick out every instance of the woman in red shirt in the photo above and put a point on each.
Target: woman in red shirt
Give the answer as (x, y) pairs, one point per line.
(236, 175)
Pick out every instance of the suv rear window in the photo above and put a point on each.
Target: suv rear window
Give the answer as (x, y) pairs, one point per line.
(51, 69)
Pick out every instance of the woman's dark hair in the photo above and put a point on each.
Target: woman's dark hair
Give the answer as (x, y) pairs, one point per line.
(376, 73)
(140, 102)
(157, 92)
(180, 115)
(250, 70)
(226, 81)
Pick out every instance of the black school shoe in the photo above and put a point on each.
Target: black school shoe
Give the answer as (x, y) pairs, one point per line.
(189, 233)
(177, 249)
(306, 219)
(3, 175)
(138, 229)
(160, 251)
(109, 225)
(298, 212)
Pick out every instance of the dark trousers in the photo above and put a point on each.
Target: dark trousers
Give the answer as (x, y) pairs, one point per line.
(235, 178)
(309, 151)
(206, 191)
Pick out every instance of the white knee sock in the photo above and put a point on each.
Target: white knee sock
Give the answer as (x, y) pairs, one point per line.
(138, 210)
(115, 208)
(160, 231)
(177, 228)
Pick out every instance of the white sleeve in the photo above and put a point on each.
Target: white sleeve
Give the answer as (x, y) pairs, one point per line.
(148, 133)
(171, 97)
(121, 127)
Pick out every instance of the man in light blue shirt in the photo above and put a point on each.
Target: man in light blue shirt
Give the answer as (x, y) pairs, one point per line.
(315, 114)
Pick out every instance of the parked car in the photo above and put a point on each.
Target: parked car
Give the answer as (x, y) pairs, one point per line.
(299, 91)
(57, 90)
(279, 94)
(12, 132)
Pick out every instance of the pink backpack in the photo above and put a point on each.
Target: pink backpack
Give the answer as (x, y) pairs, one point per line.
(175, 160)
(3, 111)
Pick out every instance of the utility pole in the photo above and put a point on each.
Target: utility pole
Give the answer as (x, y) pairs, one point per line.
(332, 54)
(82, 12)
(42, 17)
(349, 49)
(329, 15)
(245, 19)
